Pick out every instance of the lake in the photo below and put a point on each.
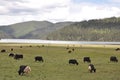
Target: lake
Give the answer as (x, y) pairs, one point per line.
(54, 41)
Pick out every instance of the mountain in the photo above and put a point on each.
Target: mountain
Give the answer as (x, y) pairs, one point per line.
(30, 29)
(107, 29)
(6, 32)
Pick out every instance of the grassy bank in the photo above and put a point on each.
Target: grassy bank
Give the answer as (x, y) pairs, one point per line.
(55, 65)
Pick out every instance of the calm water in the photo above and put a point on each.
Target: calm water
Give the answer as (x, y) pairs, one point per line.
(52, 41)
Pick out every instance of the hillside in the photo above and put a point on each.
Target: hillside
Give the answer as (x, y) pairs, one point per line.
(30, 29)
(93, 30)
(107, 29)
(25, 28)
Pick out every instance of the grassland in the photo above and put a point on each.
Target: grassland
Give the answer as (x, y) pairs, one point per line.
(55, 65)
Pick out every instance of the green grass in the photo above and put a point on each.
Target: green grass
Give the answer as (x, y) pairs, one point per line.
(55, 65)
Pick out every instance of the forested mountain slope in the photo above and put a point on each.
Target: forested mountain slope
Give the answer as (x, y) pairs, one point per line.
(93, 30)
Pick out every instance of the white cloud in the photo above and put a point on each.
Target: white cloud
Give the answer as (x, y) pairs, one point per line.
(115, 1)
(3, 10)
(86, 11)
(13, 11)
(34, 10)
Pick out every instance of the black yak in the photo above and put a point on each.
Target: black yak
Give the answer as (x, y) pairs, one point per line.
(73, 61)
(18, 56)
(87, 59)
(3, 50)
(39, 58)
(113, 59)
(11, 55)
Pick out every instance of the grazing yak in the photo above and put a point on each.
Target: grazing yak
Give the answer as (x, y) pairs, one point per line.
(73, 61)
(3, 50)
(11, 49)
(73, 49)
(11, 55)
(69, 51)
(91, 68)
(24, 69)
(87, 59)
(67, 48)
(39, 58)
(117, 49)
(113, 59)
(18, 56)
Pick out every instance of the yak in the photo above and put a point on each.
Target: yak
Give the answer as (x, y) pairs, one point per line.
(113, 59)
(91, 68)
(11, 55)
(73, 61)
(87, 59)
(18, 56)
(24, 69)
(39, 58)
(3, 50)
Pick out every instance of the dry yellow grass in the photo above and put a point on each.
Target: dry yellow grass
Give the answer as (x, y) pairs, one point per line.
(62, 45)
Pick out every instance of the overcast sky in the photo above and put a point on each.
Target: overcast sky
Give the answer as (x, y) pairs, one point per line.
(14, 11)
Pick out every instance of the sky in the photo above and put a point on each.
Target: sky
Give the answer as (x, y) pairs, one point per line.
(15, 11)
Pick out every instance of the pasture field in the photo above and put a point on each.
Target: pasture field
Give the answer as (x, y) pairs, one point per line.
(56, 66)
